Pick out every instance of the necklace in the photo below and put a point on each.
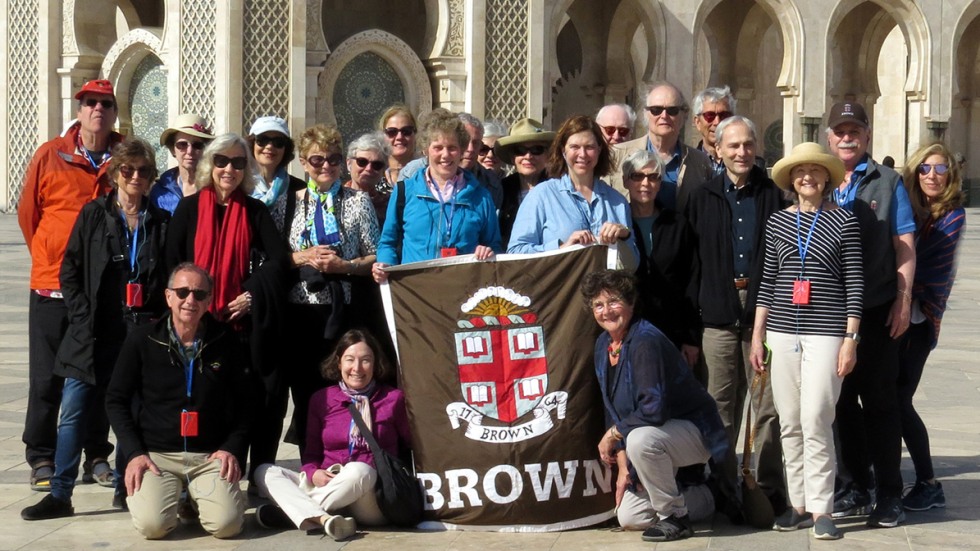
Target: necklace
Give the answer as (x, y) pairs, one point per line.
(134, 212)
(614, 351)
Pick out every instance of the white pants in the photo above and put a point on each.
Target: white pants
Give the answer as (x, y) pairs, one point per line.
(350, 492)
(805, 388)
(656, 453)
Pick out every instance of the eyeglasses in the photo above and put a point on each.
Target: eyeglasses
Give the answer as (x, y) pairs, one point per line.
(277, 142)
(316, 161)
(613, 304)
(940, 168)
(672, 110)
(184, 292)
(128, 171)
(362, 162)
(182, 145)
(521, 150)
(406, 131)
(238, 163)
(615, 130)
(485, 149)
(709, 116)
(638, 177)
(105, 103)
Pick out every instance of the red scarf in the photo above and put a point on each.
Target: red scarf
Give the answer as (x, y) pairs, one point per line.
(223, 251)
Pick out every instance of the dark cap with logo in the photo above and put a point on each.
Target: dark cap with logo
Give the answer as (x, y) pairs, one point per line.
(847, 111)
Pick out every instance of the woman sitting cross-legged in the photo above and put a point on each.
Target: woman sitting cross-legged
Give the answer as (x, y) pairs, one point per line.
(335, 488)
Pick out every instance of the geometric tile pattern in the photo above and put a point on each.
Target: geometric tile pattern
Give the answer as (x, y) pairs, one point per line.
(197, 52)
(148, 103)
(265, 60)
(366, 86)
(506, 60)
(22, 92)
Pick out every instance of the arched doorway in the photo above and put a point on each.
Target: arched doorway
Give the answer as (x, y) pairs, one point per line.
(365, 88)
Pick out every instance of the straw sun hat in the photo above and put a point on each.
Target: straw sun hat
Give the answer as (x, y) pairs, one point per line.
(807, 152)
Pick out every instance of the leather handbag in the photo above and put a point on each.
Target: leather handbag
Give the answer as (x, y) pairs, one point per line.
(756, 506)
(398, 491)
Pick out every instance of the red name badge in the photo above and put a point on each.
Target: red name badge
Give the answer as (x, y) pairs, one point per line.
(447, 251)
(801, 291)
(188, 423)
(134, 295)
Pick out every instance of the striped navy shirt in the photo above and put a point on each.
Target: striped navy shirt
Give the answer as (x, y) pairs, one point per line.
(833, 267)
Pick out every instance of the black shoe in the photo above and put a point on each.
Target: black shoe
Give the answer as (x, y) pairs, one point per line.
(119, 502)
(669, 529)
(48, 508)
(924, 496)
(888, 513)
(272, 517)
(851, 501)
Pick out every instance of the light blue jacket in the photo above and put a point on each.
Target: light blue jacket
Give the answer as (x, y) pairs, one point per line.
(553, 210)
(474, 222)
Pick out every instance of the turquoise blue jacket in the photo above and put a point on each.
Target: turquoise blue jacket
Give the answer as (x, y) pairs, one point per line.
(424, 222)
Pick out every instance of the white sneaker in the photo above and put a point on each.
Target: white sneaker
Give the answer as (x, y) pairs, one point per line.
(340, 528)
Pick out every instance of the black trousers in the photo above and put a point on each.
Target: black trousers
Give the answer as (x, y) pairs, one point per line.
(915, 351)
(871, 432)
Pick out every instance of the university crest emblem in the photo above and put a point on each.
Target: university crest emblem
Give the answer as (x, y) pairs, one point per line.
(503, 369)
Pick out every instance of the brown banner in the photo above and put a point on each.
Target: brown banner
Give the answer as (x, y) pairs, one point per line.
(497, 369)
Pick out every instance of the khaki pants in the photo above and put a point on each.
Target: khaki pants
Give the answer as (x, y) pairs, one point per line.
(154, 507)
(350, 492)
(805, 388)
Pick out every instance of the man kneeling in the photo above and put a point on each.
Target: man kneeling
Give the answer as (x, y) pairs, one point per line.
(178, 403)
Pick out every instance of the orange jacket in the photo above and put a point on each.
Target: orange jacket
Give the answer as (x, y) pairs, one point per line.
(57, 184)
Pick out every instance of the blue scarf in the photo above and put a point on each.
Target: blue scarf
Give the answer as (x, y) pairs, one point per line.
(321, 224)
(273, 192)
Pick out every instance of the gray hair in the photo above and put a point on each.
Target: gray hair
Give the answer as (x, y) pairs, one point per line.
(715, 94)
(661, 83)
(371, 141)
(630, 113)
(734, 119)
(190, 267)
(639, 159)
(472, 121)
(493, 129)
(221, 143)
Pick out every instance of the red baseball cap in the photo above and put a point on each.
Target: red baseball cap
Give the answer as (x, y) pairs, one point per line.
(96, 87)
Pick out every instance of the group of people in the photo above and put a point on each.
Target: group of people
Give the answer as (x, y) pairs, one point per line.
(160, 309)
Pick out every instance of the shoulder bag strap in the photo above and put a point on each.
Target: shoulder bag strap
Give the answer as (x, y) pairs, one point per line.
(758, 382)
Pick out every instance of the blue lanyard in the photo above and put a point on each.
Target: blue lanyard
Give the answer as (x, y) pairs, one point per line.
(442, 206)
(189, 366)
(800, 245)
(134, 245)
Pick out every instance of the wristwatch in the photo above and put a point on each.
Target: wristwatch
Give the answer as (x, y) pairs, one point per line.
(855, 336)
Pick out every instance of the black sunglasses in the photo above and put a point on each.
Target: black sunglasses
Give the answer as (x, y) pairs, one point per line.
(184, 292)
(128, 171)
(671, 110)
(640, 176)
(238, 163)
(709, 116)
(316, 161)
(184, 144)
(485, 149)
(406, 131)
(92, 102)
(277, 142)
(362, 162)
(521, 150)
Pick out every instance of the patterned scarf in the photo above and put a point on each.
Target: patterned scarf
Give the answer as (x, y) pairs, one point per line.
(362, 402)
(270, 194)
(321, 225)
(223, 250)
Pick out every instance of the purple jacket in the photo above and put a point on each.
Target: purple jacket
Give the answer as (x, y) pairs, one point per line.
(329, 422)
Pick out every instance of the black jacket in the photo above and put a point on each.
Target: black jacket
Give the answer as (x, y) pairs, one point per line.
(148, 391)
(511, 185)
(96, 243)
(668, 281)
(711, 218)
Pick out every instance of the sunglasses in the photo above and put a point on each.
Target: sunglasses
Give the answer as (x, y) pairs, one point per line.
(238, 163)
(485, 149)
(128, 171)
(640, 176)
(362, 162)
(940, 168)
(316, 161)
(184, 292)
(105, 103)
(406, 131)
(182, 145)
(710, 116)
(672, 110)
(521, 150)
(277, 142)
(615, 130)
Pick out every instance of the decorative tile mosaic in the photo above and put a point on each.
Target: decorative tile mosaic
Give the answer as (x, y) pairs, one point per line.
(148, 105)
(365, 88)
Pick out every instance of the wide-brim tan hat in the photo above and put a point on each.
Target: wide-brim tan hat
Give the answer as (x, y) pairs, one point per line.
(807, 152)
(521, 132)
(195, 125)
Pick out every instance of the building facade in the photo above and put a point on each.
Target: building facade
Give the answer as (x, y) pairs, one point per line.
(914, 63)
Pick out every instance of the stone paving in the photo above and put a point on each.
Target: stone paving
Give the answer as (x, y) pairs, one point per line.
(948, 400)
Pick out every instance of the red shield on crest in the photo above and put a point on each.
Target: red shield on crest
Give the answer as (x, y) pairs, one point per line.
(503, 372)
